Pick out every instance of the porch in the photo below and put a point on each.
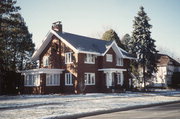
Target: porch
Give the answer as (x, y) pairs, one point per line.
(42, 81)
(114, 79)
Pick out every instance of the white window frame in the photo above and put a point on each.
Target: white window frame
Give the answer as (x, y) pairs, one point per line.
(89, 78)
(53, 79)
(68, 79)
(89, 59)
(109, 57)
(120, 78)
(68, 57)
(32, 80)
(46, 61)
(119, 62)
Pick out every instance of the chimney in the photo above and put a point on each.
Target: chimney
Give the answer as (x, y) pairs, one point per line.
(57, 26)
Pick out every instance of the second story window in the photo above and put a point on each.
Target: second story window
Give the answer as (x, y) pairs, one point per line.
(68, 57)
(109, 58)
(119, 62)
(89, 58)
(45, 60)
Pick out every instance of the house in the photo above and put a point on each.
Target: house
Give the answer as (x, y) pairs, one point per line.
(166, 66)
(70, 63)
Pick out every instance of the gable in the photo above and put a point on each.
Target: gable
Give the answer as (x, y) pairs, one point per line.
(80, 44)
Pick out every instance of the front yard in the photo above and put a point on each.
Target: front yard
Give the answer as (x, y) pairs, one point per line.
(50, 106)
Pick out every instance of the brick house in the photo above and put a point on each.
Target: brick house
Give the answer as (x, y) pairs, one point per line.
(70, 63)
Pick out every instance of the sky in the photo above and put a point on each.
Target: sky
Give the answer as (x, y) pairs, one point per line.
(93, 17)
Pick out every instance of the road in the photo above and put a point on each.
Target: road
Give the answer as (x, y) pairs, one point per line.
(170, 111)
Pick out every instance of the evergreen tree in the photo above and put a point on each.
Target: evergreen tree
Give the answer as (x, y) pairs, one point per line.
(143, 45)
(16, 45)
(126, 40)
(112, 35)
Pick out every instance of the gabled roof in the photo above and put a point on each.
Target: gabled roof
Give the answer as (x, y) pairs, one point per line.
(165, 60)
(82, 44)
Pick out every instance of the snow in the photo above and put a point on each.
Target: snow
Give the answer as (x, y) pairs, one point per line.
(51, 106)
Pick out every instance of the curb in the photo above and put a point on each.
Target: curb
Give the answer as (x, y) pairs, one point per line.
(76, 116)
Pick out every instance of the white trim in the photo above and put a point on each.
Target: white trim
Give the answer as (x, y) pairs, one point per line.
(125, 57)
(108, 70)
(65, 42)
(119, 61)
(52, 79)
(94, 53)
(109, 58)
(46, 40)
(89, 59)
(41, 71)
(68, 61)
(35, 80)
(68, 78)
(91, 79)
(110, 46)
(120, 78)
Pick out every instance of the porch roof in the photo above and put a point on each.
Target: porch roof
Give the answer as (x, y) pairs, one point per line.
(111, 70)
(42, 70)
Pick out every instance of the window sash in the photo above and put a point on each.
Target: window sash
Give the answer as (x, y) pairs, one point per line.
(68, 79)
(89, 78)
(119, 62)
(89, 58)
(68, 57)
(109, 57)
(120, 79)
(32, 80)
(52, 79)
(45, 60)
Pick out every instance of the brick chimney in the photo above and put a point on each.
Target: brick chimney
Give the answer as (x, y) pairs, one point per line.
(57, 26)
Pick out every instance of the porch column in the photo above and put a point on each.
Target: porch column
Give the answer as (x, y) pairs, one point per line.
(109, 79)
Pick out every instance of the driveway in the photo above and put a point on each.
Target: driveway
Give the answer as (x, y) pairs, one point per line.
(169, 111)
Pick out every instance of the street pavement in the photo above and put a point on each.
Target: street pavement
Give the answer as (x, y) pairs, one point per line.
(169, 111)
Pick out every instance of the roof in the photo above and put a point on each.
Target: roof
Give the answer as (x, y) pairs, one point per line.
(82, 44)
(165, 60)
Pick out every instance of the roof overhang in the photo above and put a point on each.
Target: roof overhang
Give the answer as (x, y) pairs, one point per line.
(46, 41)
(112, 70)
(41, 71)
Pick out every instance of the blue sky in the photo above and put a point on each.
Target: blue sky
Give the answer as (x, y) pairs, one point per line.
(93, 17)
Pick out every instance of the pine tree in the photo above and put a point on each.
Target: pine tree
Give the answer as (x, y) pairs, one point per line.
(112, 35)
(143, 45)
(16, 44)
(126, 40)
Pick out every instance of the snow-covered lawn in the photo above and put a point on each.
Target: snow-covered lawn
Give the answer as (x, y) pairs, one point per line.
(50, 106)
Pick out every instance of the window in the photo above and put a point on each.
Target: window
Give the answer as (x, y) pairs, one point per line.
(89, 58)
(45, 60)
(52, 79)
(120, 78)
(109, 58)
(119, 62)
(68, 79)
(68, 57)
(89, 78)
(32, 80)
